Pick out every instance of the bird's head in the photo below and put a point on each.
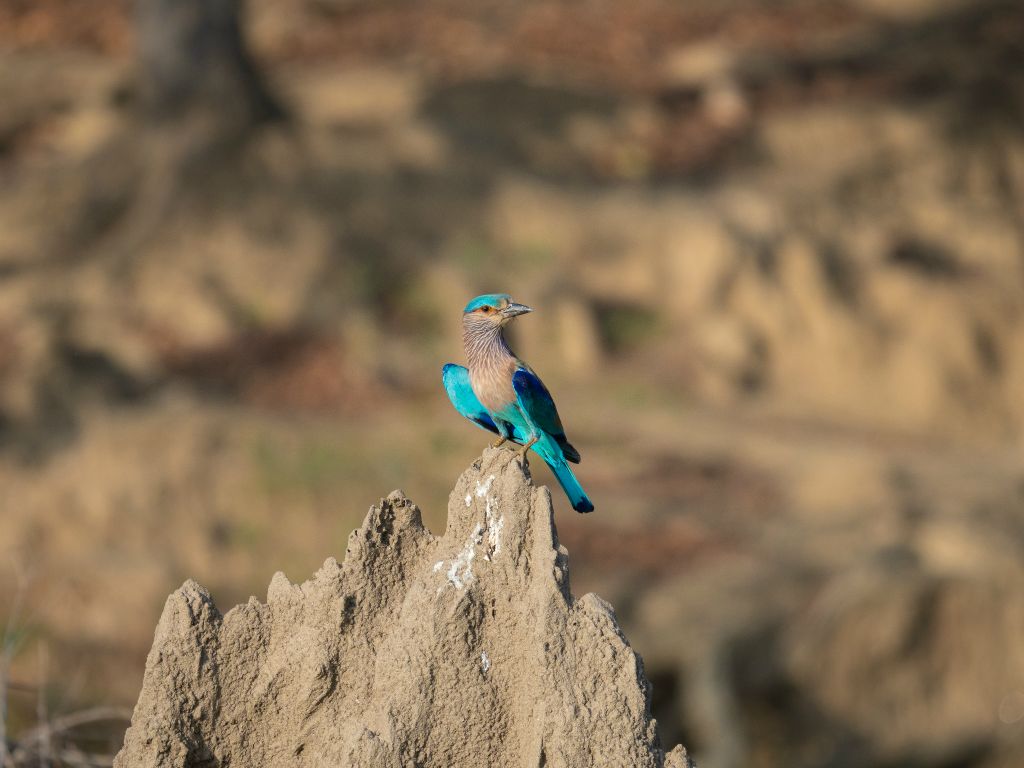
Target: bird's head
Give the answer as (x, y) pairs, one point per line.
(492, 310)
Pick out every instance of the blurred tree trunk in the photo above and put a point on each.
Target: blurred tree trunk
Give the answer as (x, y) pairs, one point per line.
(200, 97)
(193, 63)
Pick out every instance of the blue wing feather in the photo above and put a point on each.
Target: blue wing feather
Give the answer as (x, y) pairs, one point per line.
(456, 383)
(538, 404)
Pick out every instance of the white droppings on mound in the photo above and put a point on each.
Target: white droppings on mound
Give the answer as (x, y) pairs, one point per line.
(461, 572)
(482, 489)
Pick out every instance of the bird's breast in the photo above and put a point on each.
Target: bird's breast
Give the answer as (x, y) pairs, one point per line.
(492, 384)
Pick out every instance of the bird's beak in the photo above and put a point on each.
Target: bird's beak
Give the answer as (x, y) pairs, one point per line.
(512, 310)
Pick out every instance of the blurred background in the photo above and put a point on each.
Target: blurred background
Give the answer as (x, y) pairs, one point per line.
(777, 253)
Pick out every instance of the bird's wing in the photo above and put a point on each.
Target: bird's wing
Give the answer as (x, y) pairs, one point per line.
(456, 382)
(536, 402)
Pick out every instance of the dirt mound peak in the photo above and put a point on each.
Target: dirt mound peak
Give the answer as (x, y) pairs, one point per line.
(465, 649)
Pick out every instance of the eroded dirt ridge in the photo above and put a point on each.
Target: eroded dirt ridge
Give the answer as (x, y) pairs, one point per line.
(466, 649)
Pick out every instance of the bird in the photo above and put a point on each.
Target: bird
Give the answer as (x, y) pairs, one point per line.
(502, 394)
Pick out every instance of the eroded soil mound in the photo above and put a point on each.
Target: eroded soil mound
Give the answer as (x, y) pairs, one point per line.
(461, 650)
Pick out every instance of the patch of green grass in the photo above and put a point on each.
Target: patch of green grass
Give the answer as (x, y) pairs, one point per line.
(624, 327)
(245, 535)
(474, 254)
(534, 255)
(633, 395)
(419, 313)
(251, 315)
(443, 442)
(18, 636)
(312, 466)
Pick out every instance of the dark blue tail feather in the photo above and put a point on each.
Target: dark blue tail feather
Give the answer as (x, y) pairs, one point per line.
(577, 496)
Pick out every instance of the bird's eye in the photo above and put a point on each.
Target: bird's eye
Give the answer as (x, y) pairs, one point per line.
(486, 310)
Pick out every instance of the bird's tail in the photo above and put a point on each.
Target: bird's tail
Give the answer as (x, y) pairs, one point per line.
(554, 459)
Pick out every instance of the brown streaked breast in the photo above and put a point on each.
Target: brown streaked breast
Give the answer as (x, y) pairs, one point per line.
(492, 384)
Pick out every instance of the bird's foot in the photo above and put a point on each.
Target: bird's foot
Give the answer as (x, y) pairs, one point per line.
(523, 451)
(499, 442)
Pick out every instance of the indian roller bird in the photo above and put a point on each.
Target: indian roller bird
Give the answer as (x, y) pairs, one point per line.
(500, 393)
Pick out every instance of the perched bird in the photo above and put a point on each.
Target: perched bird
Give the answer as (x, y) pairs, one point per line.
(501, 393)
